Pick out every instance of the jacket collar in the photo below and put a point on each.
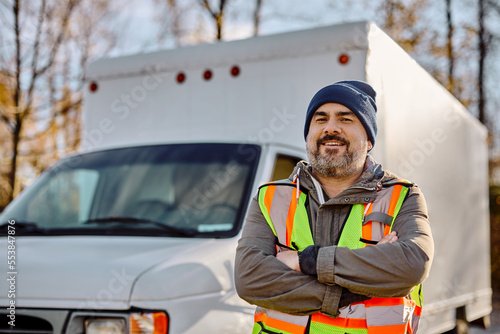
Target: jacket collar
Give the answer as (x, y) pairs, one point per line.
(362, 191)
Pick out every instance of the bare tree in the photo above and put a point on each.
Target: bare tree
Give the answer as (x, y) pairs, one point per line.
(483, 44)
(217, 15)
(30, 65)
(171, 21)
(400, 19)
(403, 20)
(449, 44)
(256, 17)
(43, 75)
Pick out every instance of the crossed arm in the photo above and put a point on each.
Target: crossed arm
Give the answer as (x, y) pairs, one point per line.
(388, 269)
(291, 258)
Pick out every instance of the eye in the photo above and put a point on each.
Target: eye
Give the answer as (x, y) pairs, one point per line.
(346, 120)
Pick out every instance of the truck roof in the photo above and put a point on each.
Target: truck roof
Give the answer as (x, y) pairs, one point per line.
(346, 36)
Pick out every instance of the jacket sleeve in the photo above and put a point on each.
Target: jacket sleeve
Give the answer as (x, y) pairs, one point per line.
(263, 280)
(389, 269)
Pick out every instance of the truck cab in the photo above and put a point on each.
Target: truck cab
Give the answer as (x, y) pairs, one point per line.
(139, 235)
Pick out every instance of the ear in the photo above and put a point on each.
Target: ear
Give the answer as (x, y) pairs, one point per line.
(370, 145)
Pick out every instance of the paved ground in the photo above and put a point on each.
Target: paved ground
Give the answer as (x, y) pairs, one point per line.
(494, 329)
(495, 320)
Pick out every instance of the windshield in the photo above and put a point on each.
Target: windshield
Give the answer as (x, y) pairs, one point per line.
(173, 190)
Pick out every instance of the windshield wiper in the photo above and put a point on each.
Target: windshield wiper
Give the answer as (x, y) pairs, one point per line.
(131, 220)
(23, 227)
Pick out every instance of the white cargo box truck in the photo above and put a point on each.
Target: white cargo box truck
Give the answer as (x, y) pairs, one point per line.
(138, 232)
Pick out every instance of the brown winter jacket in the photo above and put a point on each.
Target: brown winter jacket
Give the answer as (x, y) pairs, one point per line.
(386, 270)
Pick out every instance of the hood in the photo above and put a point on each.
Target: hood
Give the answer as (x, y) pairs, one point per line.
(97, 272)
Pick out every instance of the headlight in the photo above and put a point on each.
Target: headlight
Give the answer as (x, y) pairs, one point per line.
(138, 323)
(105, 326)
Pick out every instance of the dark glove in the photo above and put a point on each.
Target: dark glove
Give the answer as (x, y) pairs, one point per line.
(307, 260)
(347, 297)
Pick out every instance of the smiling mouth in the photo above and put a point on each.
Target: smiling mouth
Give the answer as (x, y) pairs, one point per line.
(333, 144)
(332, 141)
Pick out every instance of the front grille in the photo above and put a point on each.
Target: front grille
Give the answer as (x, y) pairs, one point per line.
(34, 321)
(25, 325)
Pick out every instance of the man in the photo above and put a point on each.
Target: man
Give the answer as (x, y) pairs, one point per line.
(342, 246)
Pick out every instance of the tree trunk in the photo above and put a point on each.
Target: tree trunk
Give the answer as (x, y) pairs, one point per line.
(449, 46)
(17, 101)
(256, 17)
(16, 135)
(482, 46)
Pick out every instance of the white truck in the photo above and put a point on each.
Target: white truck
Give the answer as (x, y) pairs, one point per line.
(137, 233)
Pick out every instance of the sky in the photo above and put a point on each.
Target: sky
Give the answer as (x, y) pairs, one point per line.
(277, 16)
(139, 21)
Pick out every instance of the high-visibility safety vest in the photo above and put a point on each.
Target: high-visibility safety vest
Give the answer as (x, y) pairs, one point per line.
(285, 211)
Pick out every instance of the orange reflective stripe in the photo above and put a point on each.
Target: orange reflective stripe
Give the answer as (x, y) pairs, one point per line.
(377, 301)
(279, 324)
(339, 322)
(409, 330)
(291, 217)
(387, 230)
(258, 317)
(418, 311)
(268, 199)
(394, 198)
(391, 329)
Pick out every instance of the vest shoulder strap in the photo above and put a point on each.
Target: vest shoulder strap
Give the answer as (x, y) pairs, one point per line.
(283, 206)
(377, 217)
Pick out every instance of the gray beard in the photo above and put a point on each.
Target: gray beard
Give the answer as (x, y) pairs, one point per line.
(337, 167)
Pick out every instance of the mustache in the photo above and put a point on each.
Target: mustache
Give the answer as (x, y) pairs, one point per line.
(332, 137)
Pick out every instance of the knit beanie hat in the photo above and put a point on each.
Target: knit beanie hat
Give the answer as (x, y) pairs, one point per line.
(358, 96)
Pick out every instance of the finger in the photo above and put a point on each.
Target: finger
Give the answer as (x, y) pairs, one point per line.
(390, 238)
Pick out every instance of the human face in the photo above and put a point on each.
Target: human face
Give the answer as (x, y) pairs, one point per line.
(337, 143)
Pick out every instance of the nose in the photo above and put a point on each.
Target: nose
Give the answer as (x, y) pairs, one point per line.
(332, 127)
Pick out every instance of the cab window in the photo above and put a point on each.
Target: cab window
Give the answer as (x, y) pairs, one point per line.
(283, 166)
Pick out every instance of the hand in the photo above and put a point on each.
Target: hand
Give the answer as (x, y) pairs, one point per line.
(290, 258)
(390, 238)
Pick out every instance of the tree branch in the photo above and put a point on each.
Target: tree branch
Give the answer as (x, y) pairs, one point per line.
(36, 46)
(205, 4)
(52, 118)
(17, 32)
(494, 5)
(60, 37)
(7, 121)
(55, 48)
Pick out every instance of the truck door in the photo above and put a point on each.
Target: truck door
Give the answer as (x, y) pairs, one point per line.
(283, 166)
